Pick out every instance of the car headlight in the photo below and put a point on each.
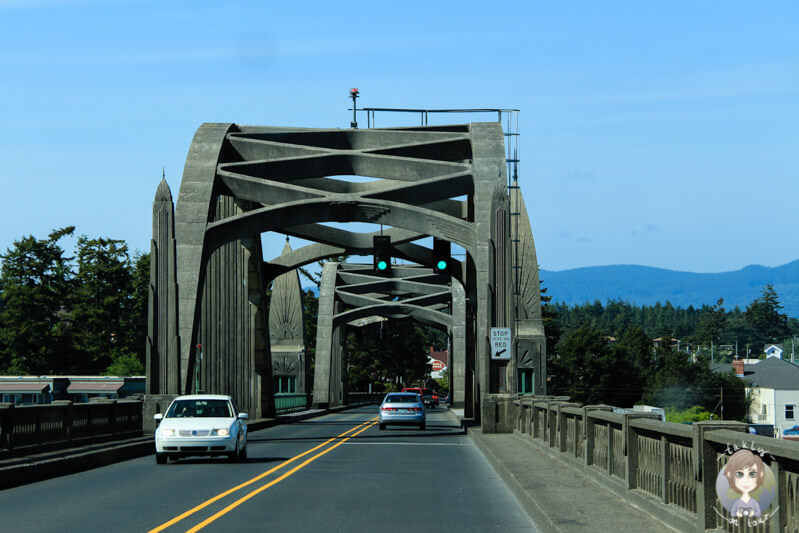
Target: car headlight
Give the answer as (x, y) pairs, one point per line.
(166, 433)
(221, 432)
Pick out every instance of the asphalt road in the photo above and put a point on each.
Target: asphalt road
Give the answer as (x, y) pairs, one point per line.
(401, 479)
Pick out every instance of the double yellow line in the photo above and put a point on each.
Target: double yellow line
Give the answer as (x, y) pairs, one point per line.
(341, 439)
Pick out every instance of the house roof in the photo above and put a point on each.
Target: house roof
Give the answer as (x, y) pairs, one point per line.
(769, 373)
(95, 386)
(442, 356)
(35, 387)
(780, 347)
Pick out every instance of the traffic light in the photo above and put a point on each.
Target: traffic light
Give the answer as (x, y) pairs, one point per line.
(382, 253)
(442, 257)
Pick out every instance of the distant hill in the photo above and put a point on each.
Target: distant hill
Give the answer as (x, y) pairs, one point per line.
(641, 285)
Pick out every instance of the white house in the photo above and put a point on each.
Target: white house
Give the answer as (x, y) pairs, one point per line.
(773, 350)
(439, 362)
(773, 387)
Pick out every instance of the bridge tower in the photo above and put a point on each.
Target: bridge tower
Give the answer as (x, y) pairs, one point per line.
(290, 364)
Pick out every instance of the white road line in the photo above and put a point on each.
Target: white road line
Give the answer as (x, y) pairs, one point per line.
(404, 444)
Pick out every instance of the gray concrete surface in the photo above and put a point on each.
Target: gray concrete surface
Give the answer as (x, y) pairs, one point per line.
(397, 480)
(557, 497)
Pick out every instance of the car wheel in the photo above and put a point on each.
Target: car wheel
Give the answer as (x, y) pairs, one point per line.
(160, 458)
(234, 455)
(382, 426)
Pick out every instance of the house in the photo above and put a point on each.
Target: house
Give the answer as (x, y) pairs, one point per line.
(32, 389)
(773, 388)
(773, 350)
(46, 389)
(439, 362)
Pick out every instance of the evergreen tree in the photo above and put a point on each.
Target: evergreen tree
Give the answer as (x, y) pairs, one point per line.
(36, 283)
(764, 317)
(587, 368)
(103, 311)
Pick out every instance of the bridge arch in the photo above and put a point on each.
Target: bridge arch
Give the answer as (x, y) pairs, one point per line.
(447, 182)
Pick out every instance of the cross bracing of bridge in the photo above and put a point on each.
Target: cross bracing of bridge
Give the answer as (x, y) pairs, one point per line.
(355, 295)
(209, 276)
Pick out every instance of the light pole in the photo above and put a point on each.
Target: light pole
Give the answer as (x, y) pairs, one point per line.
(354, 93)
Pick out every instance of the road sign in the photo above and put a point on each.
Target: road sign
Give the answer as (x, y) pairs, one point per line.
(438, 366)
(500, 344)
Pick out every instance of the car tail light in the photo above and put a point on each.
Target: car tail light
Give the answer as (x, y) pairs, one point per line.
(416, 408)
(388, 408)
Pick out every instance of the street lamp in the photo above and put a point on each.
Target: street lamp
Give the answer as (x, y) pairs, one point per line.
(354, 93)
(197, 369)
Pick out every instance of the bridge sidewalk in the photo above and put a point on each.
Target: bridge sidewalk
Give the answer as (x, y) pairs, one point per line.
(558, 497)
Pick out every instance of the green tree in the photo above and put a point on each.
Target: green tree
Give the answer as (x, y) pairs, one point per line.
(550, 319)
(678, 383)
(589, 369)
(310, 310)
(36, 283)
(764, 316)
(387, 352)
(140, 293)
(104, 310)
(712, 323)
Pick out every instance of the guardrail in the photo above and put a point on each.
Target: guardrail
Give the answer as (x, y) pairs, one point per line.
(34, 428)
(669, 470)
(365, 397)
(290, 403)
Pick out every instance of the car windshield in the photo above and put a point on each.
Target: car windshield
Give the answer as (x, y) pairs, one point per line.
(199, 409)
(401, 398)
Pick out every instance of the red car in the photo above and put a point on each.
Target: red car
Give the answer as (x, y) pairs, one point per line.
(426, 394)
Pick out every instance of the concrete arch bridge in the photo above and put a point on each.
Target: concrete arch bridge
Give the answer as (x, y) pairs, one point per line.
(212, 326)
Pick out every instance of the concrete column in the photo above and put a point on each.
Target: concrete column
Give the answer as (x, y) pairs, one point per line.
(706, 469)
(323, 366)
(458, 345)
(631, 443)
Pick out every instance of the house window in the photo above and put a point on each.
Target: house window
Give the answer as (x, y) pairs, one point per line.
(789, 412)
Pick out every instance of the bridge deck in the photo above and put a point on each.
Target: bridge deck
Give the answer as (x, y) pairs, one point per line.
(558, 497)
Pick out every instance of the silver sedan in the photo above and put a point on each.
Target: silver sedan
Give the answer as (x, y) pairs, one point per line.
(402, 408)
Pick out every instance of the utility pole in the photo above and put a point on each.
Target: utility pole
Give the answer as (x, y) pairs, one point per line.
(722, 403)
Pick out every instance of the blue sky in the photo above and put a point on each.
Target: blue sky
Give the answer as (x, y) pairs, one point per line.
(653, 133)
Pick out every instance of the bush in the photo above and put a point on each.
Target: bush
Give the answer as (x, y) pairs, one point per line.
(693, 414)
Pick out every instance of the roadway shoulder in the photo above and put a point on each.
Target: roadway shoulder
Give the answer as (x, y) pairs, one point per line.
(556, 496)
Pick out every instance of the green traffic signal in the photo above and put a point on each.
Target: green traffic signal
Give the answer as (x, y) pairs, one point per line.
(441, 265)
(382, 265)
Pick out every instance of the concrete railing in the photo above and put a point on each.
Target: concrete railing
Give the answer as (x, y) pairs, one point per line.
(33, 428)
(668, 470)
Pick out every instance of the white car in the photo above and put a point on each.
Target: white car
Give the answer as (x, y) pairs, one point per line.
(201, 424)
